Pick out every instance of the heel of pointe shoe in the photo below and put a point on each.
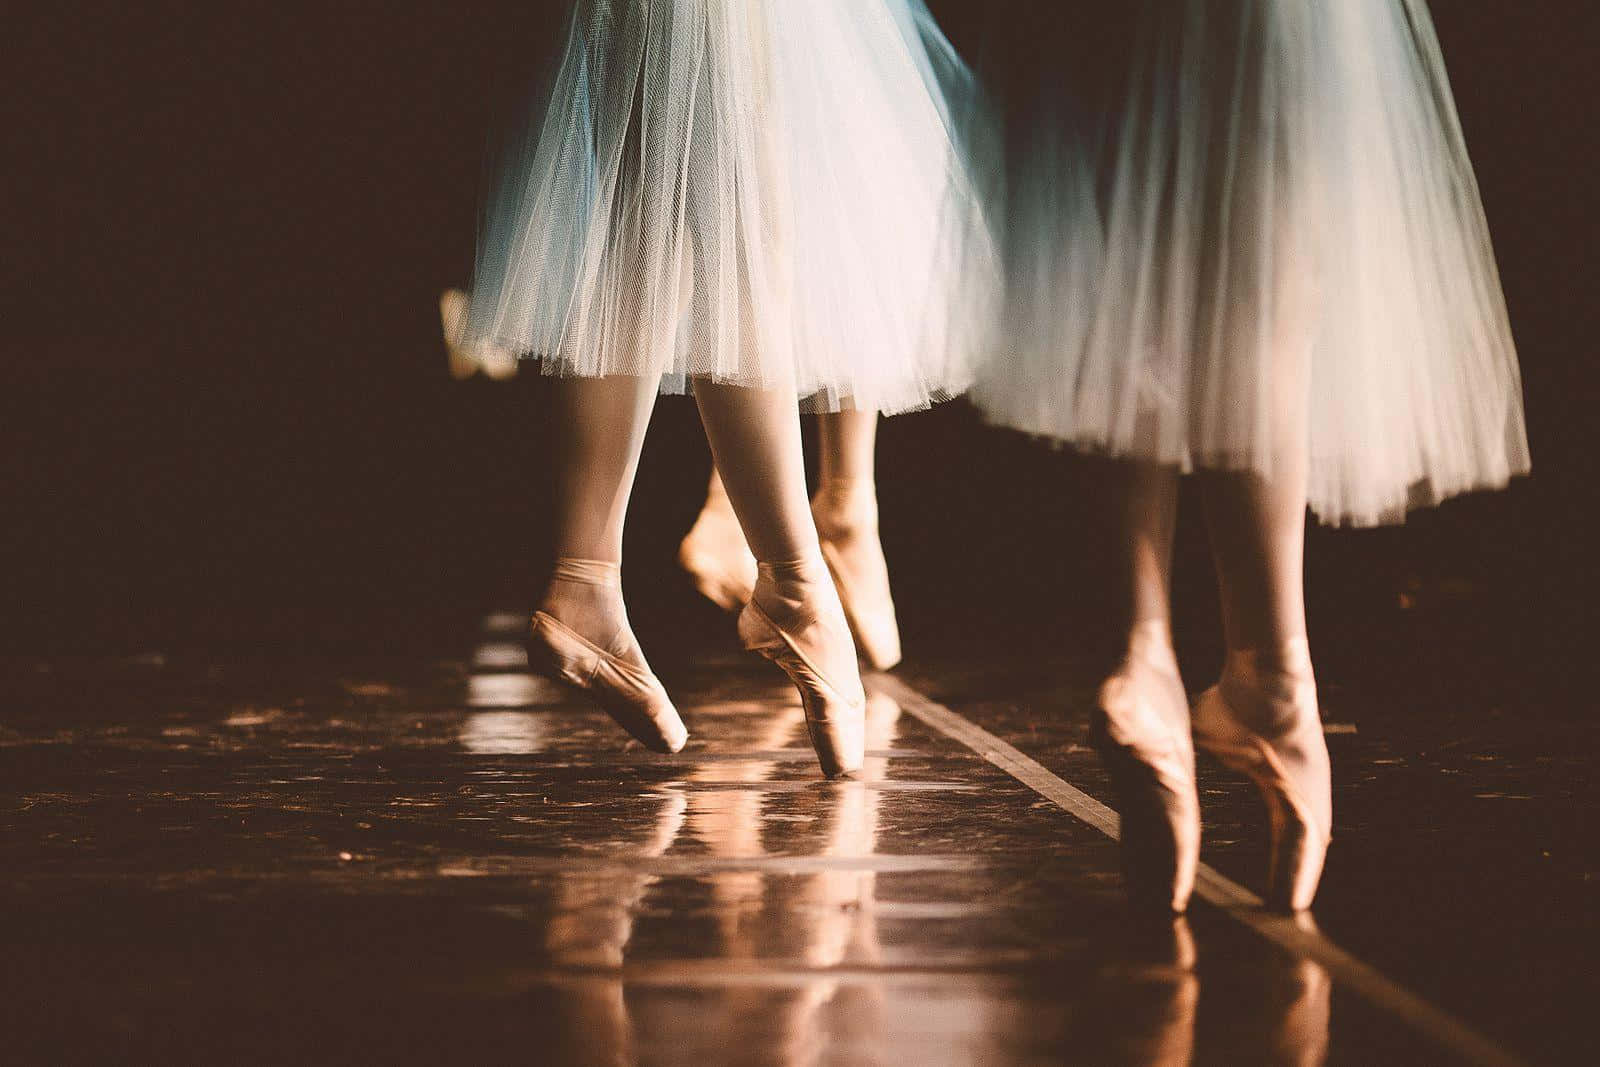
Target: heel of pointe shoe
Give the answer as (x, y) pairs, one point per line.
(837, 725)
(1160, 823)
(758, 633)
(1299, 847)
(636, 699)
(714, 581)
(716, 557)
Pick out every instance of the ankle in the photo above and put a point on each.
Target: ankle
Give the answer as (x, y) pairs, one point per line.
(586, 596)
(1270, 688)
(1287, 660)
(796, 589)
(1150, 644)
(717, 501)
(573, 570)
(576, 581)
(798, 573)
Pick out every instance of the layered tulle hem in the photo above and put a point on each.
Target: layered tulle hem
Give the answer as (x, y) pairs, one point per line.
(1368, 503)
(1264, 249)
(811, 397)
(765, 194)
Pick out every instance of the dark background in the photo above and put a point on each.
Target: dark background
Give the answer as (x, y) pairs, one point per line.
(228, 423)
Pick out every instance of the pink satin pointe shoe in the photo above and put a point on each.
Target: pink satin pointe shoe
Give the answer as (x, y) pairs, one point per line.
(716, 556)
(787, 621)
(1141, 730)
(854, 555)
(626, 691)
(470, 357)
(1261, 719)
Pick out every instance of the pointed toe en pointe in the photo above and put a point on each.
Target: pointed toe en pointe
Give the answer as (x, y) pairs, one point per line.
(834, 702)
(870, 613)
(1265, 724)
(860, 573)
(1140, 729)
(633, 697)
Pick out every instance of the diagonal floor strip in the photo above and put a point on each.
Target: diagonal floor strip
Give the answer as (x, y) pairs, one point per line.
(1297, 936)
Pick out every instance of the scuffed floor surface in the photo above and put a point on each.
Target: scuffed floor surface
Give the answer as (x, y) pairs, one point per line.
(454, 862)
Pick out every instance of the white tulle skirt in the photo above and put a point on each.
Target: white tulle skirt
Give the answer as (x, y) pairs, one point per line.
(1246, 233)
(770, 193)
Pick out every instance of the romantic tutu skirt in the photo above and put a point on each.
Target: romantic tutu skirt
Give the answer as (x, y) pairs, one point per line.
(767, 193)
(1245, 234)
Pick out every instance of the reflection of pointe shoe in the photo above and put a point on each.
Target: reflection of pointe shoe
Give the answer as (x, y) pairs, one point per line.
(1149, 945)
(883, 720)
(854, 555)
(1176, 944)
(1145, 1007)
(633, 697)
(716, 556)
(1140, 728)
(835, 705)
(1302, 1031)
(1283, 751)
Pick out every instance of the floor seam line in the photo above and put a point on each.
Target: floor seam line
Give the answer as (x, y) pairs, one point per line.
(1214, 888)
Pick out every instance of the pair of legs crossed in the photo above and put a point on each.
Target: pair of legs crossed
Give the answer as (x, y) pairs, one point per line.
(795, 617)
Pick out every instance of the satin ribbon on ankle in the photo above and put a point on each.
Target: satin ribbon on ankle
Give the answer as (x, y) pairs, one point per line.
(587, 572)
(792, 572)
(803, 569)
(1277, 684)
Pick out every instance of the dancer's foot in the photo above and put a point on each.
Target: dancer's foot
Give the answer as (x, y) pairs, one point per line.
(795, 620)
(580, 634)
(846, 515)
(1262, 719)
(1141, 729)
(469, 357)
(716, 556)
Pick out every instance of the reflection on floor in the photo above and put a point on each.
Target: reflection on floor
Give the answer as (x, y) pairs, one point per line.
(248, 862)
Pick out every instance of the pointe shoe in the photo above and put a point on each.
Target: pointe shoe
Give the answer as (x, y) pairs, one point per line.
(1140, 729)
(633, 697)
(468, 358)
(855, 559)
(1263, 722)
(835, 707)
(716, 557)
(627, 692)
